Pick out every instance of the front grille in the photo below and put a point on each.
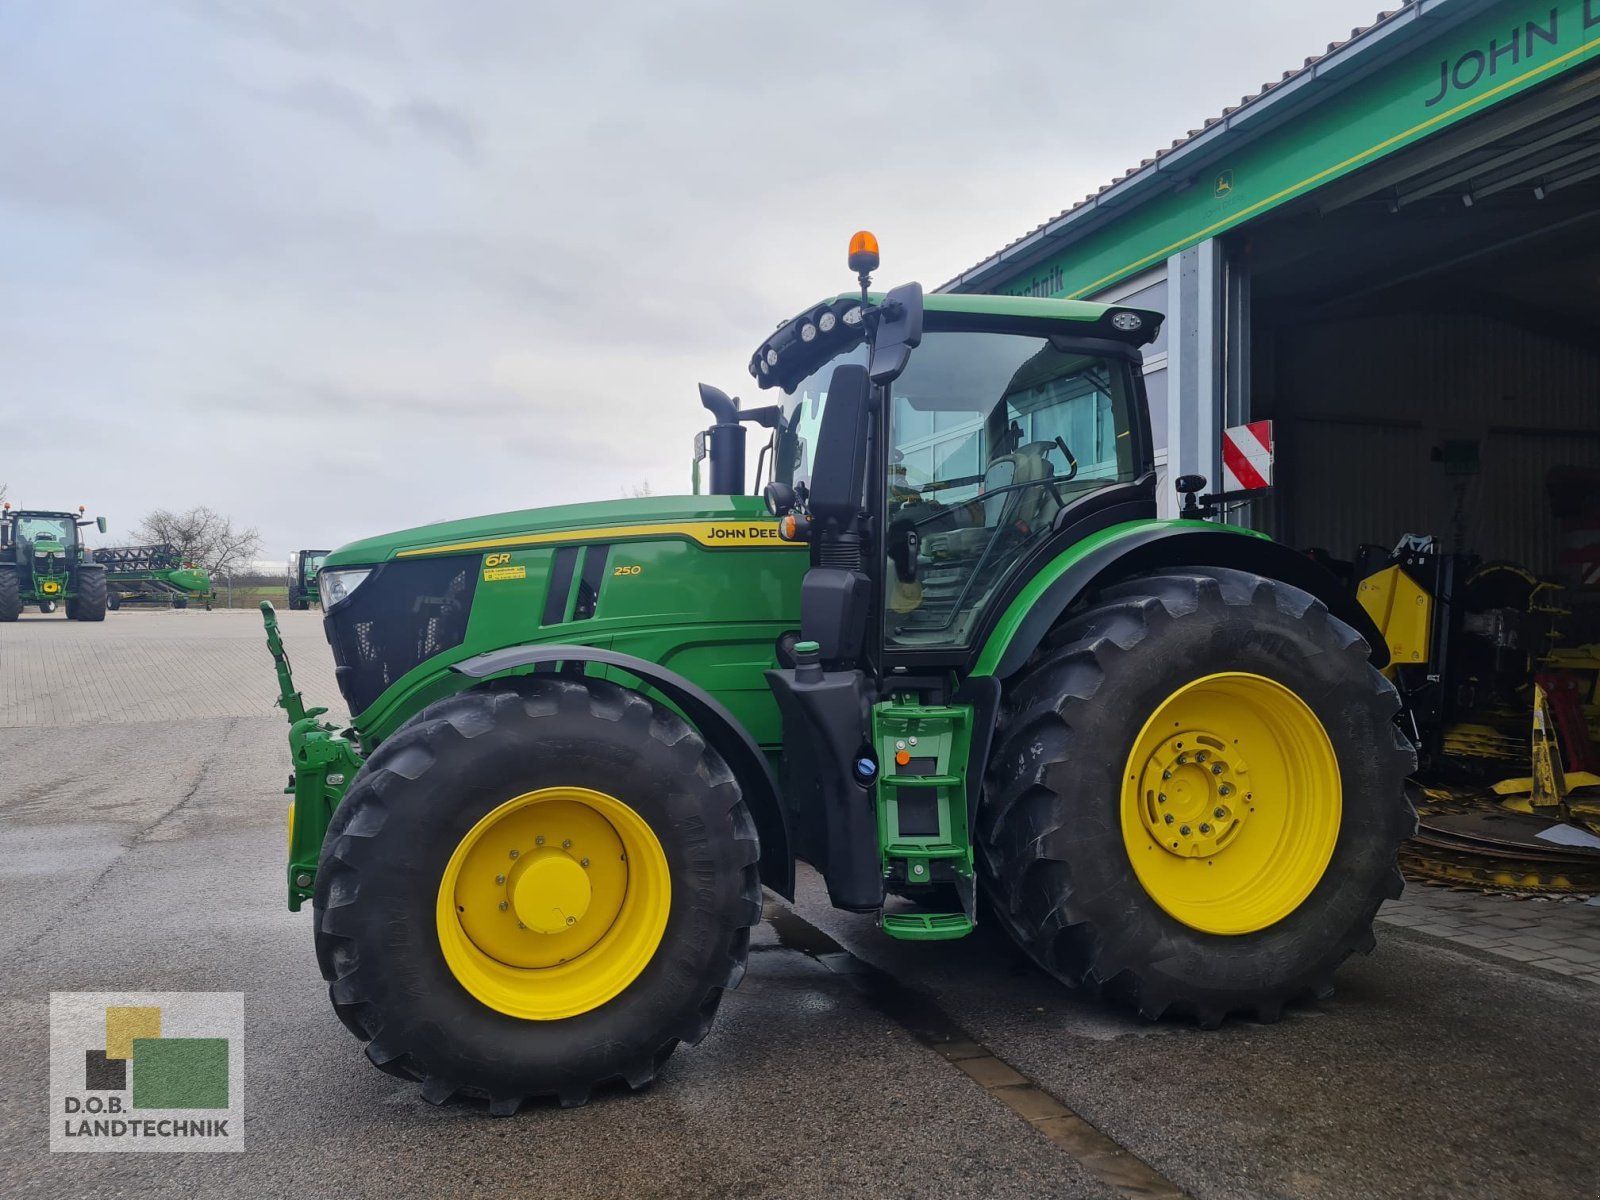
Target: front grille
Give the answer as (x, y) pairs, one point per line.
(408, 611)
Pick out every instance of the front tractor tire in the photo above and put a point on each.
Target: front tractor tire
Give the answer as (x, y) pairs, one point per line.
(10, 594)
(91, 601)
(1197, 797)
(534, 889)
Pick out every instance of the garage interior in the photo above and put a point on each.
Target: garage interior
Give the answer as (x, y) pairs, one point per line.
(1425, 336)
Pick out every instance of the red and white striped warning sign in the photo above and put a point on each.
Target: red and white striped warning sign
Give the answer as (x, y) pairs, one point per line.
(1247, 457)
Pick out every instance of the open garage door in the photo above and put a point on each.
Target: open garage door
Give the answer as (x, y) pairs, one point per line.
(1425, 335)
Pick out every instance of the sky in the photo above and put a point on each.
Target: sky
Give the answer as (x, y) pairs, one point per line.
(335, 268)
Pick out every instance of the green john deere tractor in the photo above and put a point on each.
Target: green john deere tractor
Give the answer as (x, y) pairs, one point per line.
(43, 562)
(953, 655)
(303, 568)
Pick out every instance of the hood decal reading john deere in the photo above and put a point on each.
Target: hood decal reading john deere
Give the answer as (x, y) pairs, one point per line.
(717, 535)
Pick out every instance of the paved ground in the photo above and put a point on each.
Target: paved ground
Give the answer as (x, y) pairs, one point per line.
(140, 848)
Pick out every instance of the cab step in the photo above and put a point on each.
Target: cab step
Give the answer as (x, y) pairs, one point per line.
(926, 927)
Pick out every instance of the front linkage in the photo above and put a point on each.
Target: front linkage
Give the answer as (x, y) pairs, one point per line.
(325, 761)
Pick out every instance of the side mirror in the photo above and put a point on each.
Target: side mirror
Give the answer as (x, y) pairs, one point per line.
(899, 333)
(100, 524)
(839, 467)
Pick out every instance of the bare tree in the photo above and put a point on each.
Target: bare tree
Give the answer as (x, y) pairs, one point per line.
(205, 538)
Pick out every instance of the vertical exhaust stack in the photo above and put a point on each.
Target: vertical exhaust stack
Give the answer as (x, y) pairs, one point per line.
(725, 442)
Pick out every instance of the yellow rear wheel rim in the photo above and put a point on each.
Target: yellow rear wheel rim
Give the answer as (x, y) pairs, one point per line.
(553, 903)
(1230, 803)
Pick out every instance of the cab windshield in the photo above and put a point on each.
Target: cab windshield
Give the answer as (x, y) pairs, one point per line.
(990, 436)
(802, 415)
(62, 529)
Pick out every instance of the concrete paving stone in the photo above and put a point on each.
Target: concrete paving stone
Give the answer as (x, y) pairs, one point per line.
(1519, 955)
(1402, 918)
(1560, 966)
(1576, 954)
(1531, 941)
(1478, 940)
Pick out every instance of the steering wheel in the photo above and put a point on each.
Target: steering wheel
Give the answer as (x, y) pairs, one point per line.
(1049, 481)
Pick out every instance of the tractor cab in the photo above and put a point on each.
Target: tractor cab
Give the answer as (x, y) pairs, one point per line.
(933, 452)
(1003, 427)
(45, 538)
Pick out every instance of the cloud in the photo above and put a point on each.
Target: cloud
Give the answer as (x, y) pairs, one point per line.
(340, 267)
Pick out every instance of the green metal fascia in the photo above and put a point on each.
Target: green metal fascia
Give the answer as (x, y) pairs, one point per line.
(1389, 110)
(1033, 591)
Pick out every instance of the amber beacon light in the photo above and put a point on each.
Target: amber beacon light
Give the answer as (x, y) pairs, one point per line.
(863, 253)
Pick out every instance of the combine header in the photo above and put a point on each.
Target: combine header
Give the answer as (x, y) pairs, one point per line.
(152, 575)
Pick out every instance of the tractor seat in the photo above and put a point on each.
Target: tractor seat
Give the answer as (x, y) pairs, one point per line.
(1032, 507)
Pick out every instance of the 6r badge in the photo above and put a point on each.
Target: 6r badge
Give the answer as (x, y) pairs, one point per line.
(146, 1071)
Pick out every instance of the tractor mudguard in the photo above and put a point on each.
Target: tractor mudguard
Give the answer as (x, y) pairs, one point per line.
(714, 722)
(1150, 545)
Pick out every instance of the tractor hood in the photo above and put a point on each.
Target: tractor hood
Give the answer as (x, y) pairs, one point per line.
(541, 523)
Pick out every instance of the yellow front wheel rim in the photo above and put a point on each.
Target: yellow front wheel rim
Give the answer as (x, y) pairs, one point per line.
(1230, 803)
(553, 903)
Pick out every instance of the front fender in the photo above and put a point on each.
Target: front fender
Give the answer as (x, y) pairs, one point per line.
(714, 722)
(1135, 547)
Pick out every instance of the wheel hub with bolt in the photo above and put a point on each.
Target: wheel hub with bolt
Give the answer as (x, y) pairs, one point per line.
(1192, 785)
(553, 902)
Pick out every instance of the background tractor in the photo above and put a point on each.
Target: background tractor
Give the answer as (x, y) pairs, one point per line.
(303, 568)
(951, 654)
(43, 562)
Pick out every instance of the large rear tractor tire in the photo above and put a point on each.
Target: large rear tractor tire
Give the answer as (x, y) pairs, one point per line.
(90, 604)
(535, 889)
(10, 594)
(1196, 797)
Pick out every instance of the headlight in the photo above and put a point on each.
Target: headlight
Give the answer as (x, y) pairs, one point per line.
(337, 585)
(1126, 321)
(852, 316)
(826, 321)
(808, 332)
(772, 357)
